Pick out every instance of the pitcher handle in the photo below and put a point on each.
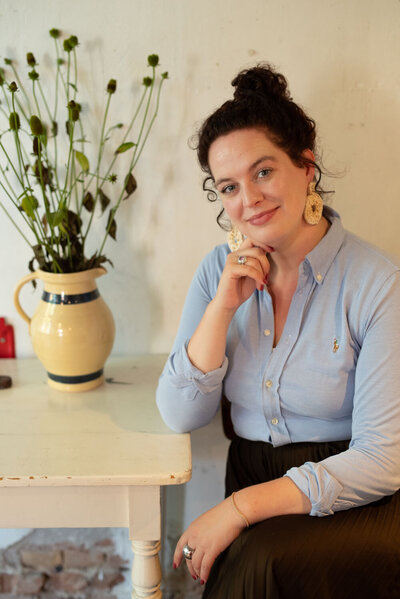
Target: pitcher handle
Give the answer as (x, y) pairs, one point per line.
(23, 281)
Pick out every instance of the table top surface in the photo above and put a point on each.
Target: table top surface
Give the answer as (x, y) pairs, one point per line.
(112, 435)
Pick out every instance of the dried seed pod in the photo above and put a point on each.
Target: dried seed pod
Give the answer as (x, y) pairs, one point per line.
(73, 40)
(153, 60)
(112, 86)
(14, 121)
(36, 146)
(67, 45)
(30, 59)
(36, 125)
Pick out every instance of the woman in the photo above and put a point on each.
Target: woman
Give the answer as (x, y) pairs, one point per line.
(300, 329)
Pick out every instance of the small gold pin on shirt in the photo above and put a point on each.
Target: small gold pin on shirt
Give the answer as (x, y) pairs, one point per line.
(335, 345)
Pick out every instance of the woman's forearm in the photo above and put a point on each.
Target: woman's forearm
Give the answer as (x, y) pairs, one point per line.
(206, 349)
(274, 498)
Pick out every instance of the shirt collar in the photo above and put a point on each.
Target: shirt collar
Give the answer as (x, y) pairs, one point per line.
(323, 254)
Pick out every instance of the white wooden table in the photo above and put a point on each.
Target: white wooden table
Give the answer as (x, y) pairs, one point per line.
(94, 459)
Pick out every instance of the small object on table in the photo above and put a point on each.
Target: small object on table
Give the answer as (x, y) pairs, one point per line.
(5, 382)
(7, 343)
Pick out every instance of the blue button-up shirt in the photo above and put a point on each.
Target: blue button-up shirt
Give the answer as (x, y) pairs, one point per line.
(334, 374)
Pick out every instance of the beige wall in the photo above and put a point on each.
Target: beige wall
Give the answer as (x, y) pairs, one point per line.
(342, 60)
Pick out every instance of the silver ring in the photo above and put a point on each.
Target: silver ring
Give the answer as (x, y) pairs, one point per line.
(242, 260)
(187, 552)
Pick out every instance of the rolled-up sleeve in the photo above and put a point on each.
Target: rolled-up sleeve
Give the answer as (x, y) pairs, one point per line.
(370, 468)
(186, 397)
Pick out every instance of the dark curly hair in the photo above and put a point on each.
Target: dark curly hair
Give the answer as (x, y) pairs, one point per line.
(261, 100)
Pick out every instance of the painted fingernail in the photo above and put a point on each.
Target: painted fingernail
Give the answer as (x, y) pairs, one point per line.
(174, 566)
(194, 577)
(201, 581)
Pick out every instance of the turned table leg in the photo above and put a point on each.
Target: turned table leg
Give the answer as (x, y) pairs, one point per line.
(145, 534)
(146, 571)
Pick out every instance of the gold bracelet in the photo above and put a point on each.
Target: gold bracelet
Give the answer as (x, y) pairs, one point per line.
(235, 507)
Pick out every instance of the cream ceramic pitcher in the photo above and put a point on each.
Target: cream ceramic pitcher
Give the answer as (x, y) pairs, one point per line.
(72, 329)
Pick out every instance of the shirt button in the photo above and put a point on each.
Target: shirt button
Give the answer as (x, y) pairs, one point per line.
(268, 383)
(274, 421)
(267, 332)
(319, 277)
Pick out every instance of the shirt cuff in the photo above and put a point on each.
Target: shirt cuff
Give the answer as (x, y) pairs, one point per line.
(184, 373)
(318, 485)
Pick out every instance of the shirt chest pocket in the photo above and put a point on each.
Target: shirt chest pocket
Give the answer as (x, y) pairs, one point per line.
(318, 379)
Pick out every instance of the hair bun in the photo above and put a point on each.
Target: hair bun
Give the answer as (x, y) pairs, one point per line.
(261, 80)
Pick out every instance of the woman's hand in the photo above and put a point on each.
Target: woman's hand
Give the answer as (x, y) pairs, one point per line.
(209, 535)
(238, 281)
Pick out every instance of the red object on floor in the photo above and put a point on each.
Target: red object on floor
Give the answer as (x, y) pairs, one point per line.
(7, 345)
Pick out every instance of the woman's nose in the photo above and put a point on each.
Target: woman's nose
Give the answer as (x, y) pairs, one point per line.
(251, 195)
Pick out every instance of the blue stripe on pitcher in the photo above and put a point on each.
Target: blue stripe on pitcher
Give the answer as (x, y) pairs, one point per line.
(75, 380)
(77, 298)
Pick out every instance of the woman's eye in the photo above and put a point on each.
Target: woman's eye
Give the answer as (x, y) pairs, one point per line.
(264, 172)
(228, 189)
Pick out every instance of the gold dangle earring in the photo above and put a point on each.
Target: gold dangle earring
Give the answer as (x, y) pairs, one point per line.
(314, 205)
(234, 238)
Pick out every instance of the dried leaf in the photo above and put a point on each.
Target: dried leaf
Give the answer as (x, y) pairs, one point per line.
(112, 225)
(73, 223)
(44, 223)
(124, 147)
(32, 269)
(88, 202)
(55, 218)
(42, 173)
(83, 161)
(39, 255)
(130, 185)
(104, 200)
(29, 204)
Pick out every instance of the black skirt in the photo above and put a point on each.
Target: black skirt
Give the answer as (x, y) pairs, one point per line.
(350, 555)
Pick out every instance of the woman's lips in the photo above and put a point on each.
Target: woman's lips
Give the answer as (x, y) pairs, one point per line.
(262, 217)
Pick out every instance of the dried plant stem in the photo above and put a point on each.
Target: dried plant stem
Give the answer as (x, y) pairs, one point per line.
(99, 157)
(144, 118)
(135, 160)
(13, 221)
(126, 134)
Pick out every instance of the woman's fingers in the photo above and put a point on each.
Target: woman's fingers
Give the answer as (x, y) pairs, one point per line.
(206, 565)
(192, 569)
(178, 552)
(253, 267)
(256, 254)
(249, 243)
(193, 564)
(196, 562)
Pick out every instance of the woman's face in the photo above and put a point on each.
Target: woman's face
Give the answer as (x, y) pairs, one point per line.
(262, 190)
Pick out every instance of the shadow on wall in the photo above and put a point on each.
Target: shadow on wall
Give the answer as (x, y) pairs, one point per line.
(364, 114)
